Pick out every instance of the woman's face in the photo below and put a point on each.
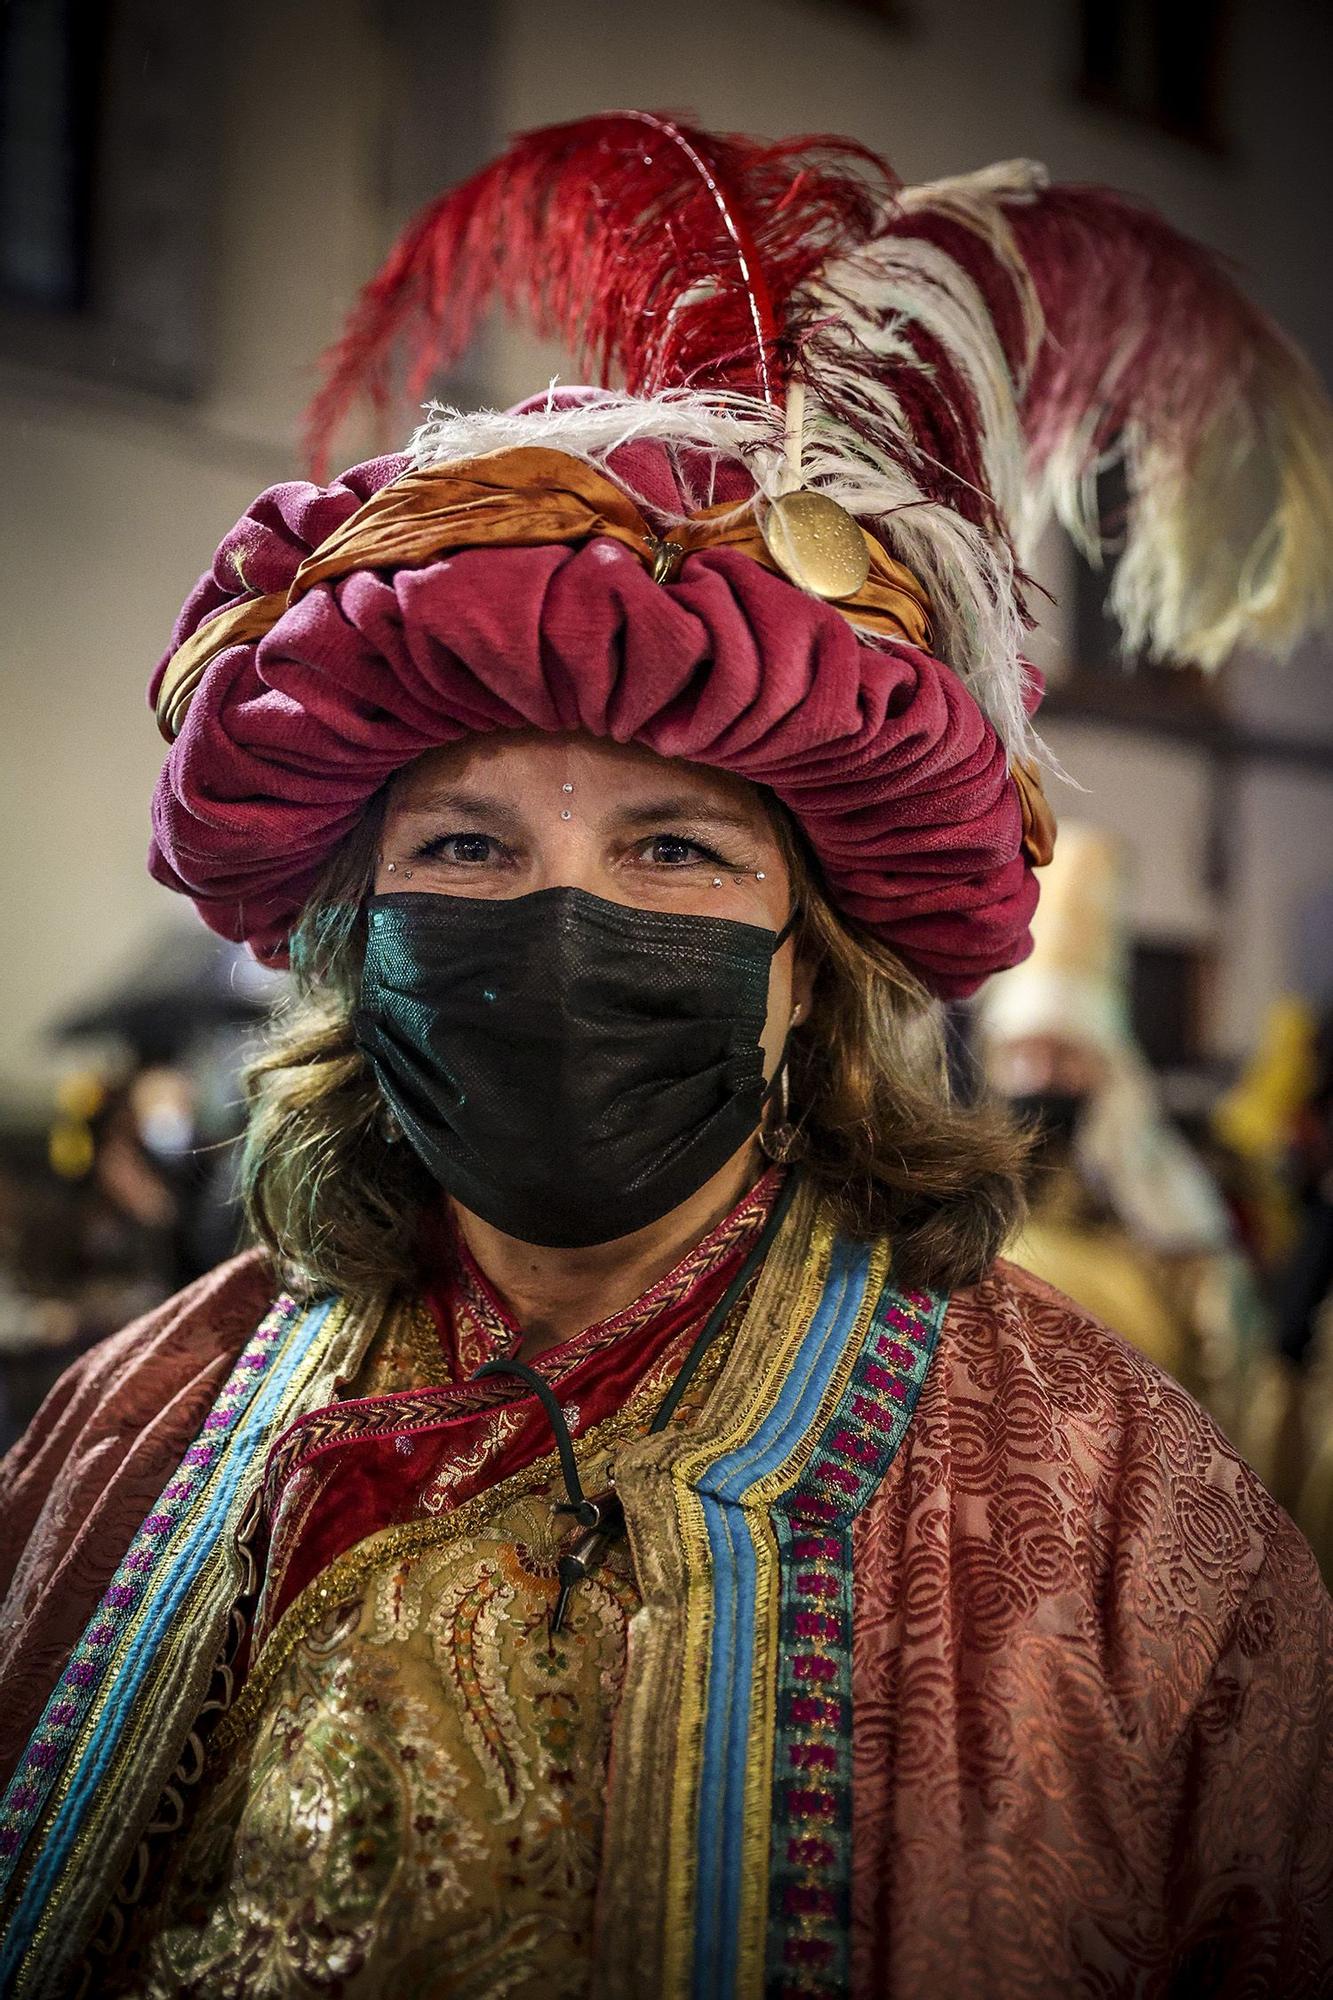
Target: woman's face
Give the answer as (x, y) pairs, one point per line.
(504, 815)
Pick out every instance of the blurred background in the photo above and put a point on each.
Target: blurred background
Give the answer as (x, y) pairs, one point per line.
(190, 196)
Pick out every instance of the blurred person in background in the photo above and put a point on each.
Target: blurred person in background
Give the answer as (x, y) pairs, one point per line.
(89, 1235)
(1123, 1215)
(1258, 1129)
(136, 1193)
(619, 1528)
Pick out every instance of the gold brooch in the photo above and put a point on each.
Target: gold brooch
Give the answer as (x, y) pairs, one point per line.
(817, 544)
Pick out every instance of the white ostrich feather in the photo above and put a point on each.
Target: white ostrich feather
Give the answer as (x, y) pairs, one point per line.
(1228, 542)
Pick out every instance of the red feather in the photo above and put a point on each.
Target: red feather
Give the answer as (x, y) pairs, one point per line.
(660, 254)
(1143, 325)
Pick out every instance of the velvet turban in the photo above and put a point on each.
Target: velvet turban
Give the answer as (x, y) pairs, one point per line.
(877, 749)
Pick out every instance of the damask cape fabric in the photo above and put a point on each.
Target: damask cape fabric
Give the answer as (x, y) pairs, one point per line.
(1087, 1729)
(1198, 1315)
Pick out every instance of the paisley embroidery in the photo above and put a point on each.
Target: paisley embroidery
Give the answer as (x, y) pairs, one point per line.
(427, 1772)
(502, 1425)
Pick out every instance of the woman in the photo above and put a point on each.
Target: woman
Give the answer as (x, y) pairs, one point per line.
(650, 1546)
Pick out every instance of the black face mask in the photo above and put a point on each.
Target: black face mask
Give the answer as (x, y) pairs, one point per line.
(569, 1069)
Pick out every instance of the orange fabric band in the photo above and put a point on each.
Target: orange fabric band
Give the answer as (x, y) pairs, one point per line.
(521, 498)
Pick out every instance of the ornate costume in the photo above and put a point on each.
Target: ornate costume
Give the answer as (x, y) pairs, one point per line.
(922, 1585)
(950, 1648)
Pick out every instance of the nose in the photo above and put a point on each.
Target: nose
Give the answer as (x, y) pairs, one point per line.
(567, 855)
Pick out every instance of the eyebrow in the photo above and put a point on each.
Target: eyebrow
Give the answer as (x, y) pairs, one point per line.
(681, 806)
(678, 807)
(464, 805)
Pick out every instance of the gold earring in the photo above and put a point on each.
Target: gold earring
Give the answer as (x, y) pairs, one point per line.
(780, 1140)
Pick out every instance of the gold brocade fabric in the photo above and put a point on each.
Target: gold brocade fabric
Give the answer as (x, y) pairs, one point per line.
(415, 1805)
(420, 1808)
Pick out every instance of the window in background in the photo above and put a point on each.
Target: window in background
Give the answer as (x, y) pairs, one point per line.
(106, 138)
(50, 67)
(1161, 62)
(1168, 995)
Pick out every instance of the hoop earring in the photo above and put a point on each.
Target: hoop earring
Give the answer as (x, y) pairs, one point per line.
(779, 1139)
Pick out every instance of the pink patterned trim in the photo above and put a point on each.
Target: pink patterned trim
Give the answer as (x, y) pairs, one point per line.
(809, 1895)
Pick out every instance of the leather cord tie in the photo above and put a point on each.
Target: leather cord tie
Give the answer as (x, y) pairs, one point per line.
(602, 1516)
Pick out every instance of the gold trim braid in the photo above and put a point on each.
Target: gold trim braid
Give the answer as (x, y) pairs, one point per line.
(647, 1911)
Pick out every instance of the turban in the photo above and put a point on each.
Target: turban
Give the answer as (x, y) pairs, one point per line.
(876, 748)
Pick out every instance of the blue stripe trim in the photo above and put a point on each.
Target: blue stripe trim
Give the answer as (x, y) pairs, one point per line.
(799, 1398)
(170, 1590)
(726, 1734)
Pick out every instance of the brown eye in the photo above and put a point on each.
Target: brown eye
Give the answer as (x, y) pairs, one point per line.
(670, 852)
(465, 850)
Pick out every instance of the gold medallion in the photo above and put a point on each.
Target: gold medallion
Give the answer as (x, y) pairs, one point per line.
(817, 544)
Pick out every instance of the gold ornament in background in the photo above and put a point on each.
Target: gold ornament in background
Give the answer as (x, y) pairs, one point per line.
(70, 1145)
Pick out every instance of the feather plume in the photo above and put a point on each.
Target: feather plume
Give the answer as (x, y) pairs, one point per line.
(949, 362)
(691, 269)
(1147, 351)
(660, 255)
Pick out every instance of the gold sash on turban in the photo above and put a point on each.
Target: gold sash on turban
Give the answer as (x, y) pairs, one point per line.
(522, 498)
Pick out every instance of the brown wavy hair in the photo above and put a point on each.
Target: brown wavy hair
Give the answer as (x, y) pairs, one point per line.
(879, 1128)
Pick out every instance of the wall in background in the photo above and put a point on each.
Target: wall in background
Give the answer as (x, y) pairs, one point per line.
(331, 121)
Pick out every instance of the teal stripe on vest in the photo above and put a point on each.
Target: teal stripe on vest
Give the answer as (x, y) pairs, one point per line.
(726, 1736)
(116, 1653)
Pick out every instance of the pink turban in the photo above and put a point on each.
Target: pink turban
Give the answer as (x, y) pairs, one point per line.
(879, 752)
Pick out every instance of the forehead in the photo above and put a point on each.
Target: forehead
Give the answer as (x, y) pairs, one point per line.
(524, 766)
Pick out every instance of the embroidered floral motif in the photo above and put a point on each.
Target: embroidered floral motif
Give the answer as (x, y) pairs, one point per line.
(503, 1424)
